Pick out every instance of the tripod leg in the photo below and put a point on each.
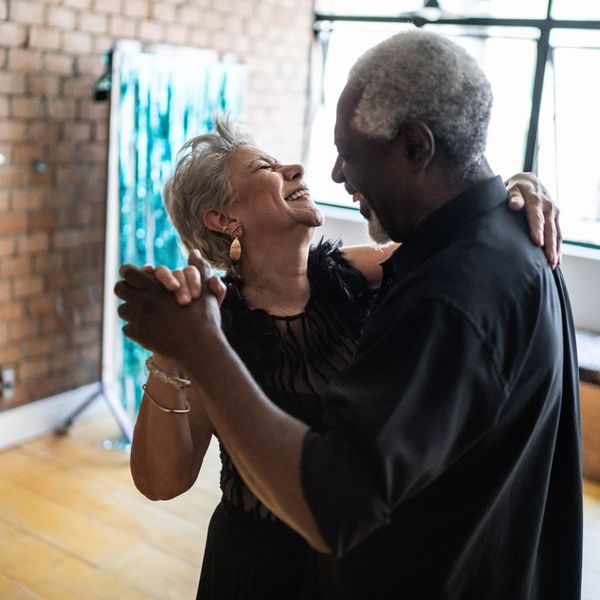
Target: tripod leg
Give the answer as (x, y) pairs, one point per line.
(119, 413)
(117, 410)
(64, 428)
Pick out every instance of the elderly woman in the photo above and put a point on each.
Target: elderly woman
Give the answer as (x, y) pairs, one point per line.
(293, 314)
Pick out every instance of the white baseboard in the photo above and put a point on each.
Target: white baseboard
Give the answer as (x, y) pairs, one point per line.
(18, 425)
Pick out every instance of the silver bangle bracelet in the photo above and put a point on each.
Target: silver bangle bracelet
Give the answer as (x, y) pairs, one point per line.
(177, 411)
(165, 377)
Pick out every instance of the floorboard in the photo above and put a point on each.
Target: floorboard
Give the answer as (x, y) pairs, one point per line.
(73, 526)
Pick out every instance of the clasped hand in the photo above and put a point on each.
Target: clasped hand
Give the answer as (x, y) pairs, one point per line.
(170, 312)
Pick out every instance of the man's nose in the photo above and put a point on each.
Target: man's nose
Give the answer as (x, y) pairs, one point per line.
(336, 173)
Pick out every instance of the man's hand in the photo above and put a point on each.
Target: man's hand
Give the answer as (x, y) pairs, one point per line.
(526, 191)
(156, 321)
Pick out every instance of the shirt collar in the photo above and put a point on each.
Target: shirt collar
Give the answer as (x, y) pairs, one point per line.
(442, 225)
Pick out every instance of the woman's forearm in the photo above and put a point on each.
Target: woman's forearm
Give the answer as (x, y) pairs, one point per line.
(368, 259)
(168, 448)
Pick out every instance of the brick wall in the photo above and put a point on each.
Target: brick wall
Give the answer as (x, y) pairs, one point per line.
(53, 146)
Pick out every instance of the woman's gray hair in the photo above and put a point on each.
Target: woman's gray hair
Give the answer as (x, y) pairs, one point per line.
(422, 75)
(201, 183)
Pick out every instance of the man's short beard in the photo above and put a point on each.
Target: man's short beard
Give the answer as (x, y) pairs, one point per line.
(376, 230)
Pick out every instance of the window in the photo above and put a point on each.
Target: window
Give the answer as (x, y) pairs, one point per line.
(545, 116)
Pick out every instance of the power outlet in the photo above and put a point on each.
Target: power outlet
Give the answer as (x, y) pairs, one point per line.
(7, 383)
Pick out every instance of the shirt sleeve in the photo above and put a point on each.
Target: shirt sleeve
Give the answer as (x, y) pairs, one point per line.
(422, 389)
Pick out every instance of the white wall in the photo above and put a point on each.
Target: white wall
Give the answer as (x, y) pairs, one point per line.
(581, 268)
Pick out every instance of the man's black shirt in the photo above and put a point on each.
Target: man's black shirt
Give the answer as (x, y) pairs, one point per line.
(450, 466)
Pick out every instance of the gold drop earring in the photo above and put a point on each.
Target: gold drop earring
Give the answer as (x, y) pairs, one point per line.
(235, 250)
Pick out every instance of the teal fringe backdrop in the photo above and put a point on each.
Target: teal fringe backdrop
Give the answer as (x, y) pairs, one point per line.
(165, 99)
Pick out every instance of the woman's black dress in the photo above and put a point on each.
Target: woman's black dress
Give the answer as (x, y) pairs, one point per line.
(250, 554)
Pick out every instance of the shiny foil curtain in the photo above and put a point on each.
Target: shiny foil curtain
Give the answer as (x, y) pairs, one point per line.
(164, 99)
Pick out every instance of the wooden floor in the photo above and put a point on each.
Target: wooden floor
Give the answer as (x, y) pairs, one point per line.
(73, 527)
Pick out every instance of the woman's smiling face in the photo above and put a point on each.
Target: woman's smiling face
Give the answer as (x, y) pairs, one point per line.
(269, 195)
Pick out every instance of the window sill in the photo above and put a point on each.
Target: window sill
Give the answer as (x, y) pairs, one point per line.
(581, 251)
(342, 213)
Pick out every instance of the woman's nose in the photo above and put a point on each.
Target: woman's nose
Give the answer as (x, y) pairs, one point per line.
(292, 172)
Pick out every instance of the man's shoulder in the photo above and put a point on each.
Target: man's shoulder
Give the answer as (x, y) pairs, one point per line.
(488, 270)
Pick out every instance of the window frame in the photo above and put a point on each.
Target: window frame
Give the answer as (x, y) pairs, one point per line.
(545, 27)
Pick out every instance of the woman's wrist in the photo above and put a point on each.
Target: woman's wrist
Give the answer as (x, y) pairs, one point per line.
(168, 376)
(167, 364)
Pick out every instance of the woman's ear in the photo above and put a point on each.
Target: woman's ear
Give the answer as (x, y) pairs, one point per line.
(216, 221)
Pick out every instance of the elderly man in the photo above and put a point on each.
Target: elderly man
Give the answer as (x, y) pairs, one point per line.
(449, 463)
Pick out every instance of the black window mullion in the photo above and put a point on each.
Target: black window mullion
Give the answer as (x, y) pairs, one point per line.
(536, 94)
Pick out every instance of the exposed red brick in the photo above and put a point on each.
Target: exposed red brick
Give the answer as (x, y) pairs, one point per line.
(28, 285)
(108, 6)
(61, 17)
(3, 333)
(7, 247)
(54, 221)
(33, 368)
(189, 14)
(23, 11)
(89, 65)
(4, 198)
(58, 63)
(78, 3)
(122, 26)
(14, 266)
(12, 176)
(11, 311)
(151, 31)
(10, 354)
(41, 305)
(12, 34)
(136, 8)
(78, 88)
(43, 131)
(176, 33)
(91, 353)
(42, 220)
(44, 85)
(78, 131)
(24, 60)
(93, 22)
(5, 292)
(33, 243)
(63, 359)
(163, 11)
(76, 42)
(44, 37)
(12, 130)
(62, 108)
(39, 347)
(12, 83)
(12, 223)
(20, 330)
(48, 263)
(27, 199)
(26, 107)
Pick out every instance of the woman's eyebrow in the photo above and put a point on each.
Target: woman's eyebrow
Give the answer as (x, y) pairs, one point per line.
(262, 158)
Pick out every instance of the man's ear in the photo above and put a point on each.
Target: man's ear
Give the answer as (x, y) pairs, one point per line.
(419, 143)
(216, 221)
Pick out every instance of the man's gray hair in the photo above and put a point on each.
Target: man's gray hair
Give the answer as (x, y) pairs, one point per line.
(201, 182)
(422, 75)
